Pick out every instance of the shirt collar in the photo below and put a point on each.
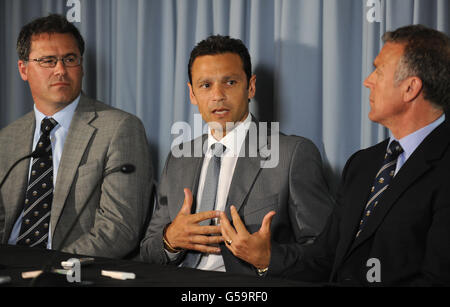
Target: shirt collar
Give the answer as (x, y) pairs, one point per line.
(233, 140)
(410, 142)
(63, 117)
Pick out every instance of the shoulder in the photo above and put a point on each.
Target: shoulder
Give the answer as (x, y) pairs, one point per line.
(364, 156)
(107, 116)
(297, 145)
(18, 125)
(190, 149)
(370, 152)
(295, 140)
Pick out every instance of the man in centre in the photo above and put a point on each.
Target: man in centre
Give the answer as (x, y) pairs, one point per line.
(225, 209)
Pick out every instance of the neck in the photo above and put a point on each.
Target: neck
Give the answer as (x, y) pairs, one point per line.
(414, 121)
(50, 110)
(219, 132)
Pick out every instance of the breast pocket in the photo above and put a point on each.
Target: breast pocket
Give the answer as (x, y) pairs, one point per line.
(90, 169)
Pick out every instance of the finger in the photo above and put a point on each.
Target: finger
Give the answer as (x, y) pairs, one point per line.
(206, 240)
(228, 232)
(187, 204)
(205, 215)
(267, 221)
(204, 248)
(206, 230)
(237, 222)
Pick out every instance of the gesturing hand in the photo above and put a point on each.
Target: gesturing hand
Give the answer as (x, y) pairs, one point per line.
(186, 233)
(252, 248)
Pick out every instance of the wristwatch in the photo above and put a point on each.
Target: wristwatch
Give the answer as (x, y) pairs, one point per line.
(262, 272)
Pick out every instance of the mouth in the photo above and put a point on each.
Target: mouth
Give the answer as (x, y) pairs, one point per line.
(60, 84)
(220, 111)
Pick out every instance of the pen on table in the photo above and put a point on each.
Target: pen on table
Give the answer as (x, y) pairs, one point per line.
(5, 280)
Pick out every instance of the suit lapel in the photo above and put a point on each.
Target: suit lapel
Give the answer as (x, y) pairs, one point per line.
(246, 170)
(245, 174)
(416, 166)
(16, 184)
(77, 141)
(357, 200)
(192, 165)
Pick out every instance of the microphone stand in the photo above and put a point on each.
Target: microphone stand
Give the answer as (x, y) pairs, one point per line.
(46, 269)
(39, 152)
(35, 154)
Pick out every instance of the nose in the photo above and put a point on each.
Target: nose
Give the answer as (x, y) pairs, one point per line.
(218, 92)
(60, 69)
(368, 82)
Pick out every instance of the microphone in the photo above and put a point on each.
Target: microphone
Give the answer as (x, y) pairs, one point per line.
(125, 169)
(39, 152)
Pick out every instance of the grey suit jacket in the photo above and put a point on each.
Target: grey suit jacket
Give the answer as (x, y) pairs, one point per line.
(295, 189)
(100, 139)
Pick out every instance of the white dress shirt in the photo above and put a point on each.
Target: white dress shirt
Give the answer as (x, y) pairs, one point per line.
(233, 142)
(57, 136)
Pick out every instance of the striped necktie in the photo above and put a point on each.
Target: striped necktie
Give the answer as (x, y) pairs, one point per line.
(39, 195)
(382, 180)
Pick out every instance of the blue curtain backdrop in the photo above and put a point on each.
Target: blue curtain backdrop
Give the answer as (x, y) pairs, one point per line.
(310, 58)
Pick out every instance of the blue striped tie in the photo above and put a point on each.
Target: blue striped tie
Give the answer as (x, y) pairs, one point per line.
(39, 195)
(382, 180)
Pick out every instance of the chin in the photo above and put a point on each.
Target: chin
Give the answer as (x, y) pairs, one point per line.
(65, 99)
(374, 118)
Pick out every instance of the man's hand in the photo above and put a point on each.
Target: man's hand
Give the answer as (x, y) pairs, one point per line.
(186, 233)
(252, 248)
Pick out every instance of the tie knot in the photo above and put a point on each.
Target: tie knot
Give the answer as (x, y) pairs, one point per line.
(218, 149)
(47, 125)
(395, 149)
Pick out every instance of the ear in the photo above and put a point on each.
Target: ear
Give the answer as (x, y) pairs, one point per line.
(192, 95)
(413, 87)
(22, 70)
(252, 87)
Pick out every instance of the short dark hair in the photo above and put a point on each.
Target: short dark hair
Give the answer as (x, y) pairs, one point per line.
(53, 23)
(427, 56)
(218, 44)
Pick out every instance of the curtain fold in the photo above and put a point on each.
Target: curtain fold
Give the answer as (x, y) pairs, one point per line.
(310, 58)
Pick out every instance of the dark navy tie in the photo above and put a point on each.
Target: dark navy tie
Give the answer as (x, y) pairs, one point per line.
(39, 195)
(382, 180)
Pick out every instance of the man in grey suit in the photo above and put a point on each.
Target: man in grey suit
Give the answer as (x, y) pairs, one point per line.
(82, 145)
(226, 209)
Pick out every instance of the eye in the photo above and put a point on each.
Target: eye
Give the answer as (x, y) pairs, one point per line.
(48, 60)
(231, 82)
(204, 85)
(70, 59)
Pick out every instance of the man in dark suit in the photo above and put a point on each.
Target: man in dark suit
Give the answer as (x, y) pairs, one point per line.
(391, 225)
(267, 210)
(84, 144)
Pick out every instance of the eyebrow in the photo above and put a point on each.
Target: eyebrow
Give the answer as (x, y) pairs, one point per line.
(202, 80)
(227, 77)
(232, 76)
(54, 56)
